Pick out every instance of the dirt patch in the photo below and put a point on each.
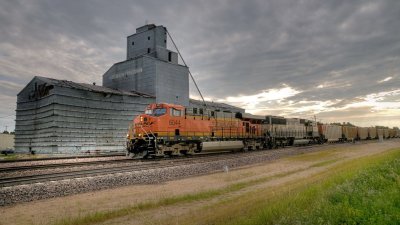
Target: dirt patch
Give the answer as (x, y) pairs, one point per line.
(50, 210)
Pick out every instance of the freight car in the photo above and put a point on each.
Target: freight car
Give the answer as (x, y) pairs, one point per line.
(349, 133)
(372, 133)
(379, 133)
(386, 133)
(362, 133)
(330, 132)
(397, 132)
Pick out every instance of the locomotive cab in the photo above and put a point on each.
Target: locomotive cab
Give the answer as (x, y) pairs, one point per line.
(150, 129)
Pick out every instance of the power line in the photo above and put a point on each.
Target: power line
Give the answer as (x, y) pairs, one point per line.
(180, 55)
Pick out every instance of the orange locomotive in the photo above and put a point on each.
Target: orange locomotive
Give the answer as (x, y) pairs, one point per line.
(168, 129)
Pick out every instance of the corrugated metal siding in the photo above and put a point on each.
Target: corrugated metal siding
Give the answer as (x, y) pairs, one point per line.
(150, 75)
(172, 83)
(71, 120)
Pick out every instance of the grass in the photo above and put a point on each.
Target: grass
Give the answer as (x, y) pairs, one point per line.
(326, 162)
(314, 155)
(365, 191)
(14, 156)
(299, 201)
(9, 157)
(111, 214)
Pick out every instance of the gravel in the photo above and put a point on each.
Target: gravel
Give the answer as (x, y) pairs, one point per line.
(50, 189)
(59, 161)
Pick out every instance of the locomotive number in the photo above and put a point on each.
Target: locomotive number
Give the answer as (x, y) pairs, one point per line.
(174, 123)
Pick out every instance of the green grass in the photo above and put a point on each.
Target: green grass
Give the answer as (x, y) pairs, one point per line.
(364, 192)
(9, 157)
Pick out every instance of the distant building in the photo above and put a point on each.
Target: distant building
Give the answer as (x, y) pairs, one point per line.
(6, 141)
(150, 68)
(64, 117)
(57, 116)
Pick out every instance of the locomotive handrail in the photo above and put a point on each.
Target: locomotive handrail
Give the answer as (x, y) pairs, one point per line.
(152, 134)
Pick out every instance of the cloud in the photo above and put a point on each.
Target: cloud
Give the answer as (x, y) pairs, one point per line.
(330, 54)
(386, 79)
(250, 102)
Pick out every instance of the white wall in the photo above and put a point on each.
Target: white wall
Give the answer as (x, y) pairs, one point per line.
(6, 141)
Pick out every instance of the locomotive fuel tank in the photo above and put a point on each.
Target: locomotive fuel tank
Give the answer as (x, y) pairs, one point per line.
(213, 146)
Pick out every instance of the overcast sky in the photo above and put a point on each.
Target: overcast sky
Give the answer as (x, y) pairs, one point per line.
(337, 60)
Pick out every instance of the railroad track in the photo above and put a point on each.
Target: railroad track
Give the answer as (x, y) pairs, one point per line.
(9, 169)
(137, 165)
(60, 165)
(144, 165)
(60, 158)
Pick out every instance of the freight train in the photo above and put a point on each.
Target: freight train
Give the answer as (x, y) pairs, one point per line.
(169, 129)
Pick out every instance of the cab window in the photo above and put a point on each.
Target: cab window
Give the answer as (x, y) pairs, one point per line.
(148, 112)
(175, 112)
(159, 112)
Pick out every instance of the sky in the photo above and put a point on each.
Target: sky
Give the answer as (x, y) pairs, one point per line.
(336, 60)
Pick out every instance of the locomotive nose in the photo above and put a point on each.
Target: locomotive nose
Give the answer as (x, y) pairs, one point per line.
(146, 120)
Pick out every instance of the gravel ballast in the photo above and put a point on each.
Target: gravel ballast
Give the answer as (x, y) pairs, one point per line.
(50, 189)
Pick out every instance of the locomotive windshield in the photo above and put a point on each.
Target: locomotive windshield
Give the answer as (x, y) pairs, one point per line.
(156, 112)
(159, 112)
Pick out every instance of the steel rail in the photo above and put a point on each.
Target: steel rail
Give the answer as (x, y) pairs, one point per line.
(60, 165)
(59, 158)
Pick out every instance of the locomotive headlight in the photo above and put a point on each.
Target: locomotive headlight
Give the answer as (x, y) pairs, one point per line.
(141, 118)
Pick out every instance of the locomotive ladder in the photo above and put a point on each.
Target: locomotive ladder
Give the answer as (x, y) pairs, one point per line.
(148, 133)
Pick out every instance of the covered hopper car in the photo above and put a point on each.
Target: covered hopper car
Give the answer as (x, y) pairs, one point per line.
(362, 133)
(349, 133)
(330, 133)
